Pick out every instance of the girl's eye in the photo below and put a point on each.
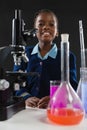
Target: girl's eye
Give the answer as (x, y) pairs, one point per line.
(51, 24)
(41, 24)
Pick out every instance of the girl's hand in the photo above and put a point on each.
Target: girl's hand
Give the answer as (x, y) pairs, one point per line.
(32, 101)
(43, 102)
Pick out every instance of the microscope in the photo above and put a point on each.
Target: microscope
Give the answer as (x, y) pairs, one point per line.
(9, 103)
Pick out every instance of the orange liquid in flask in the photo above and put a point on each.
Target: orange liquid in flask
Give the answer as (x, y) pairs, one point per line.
(65, 116)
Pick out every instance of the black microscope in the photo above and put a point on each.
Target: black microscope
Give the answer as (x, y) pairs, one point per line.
(9, 103)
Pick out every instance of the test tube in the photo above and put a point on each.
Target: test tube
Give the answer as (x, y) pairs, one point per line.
(82, 46)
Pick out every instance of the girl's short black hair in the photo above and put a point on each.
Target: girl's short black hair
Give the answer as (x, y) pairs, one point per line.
(45, 11)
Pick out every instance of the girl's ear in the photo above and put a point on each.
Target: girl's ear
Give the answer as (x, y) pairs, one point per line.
(57, 34)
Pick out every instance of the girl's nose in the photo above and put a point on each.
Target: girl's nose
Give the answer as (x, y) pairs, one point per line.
(46, 26)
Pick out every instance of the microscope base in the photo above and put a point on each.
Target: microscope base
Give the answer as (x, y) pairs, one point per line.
(7, 112)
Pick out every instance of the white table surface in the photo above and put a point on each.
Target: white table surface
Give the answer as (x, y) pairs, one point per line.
(36, 119)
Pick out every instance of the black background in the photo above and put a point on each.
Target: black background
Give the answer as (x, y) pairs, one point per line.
(69, 13)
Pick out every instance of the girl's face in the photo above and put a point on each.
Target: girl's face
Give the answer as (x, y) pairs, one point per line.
(46, 24)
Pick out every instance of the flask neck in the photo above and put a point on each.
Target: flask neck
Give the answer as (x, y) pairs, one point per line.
(65, 62)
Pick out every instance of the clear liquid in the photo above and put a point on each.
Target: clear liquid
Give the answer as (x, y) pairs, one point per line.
(65, 116)
(84, 95)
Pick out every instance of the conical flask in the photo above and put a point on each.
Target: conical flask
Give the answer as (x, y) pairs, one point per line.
(65, 107)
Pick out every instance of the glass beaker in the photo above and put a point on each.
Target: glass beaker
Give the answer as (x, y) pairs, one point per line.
(65, 107)
(83, 65)
(82, 91)
(54, 85)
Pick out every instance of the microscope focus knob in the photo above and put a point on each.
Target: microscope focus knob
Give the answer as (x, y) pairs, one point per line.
(4, 84)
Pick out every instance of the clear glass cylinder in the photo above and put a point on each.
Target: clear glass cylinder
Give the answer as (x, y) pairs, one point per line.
(65, 107)
(82, 87)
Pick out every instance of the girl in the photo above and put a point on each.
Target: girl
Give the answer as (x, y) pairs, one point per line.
(44, 58)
